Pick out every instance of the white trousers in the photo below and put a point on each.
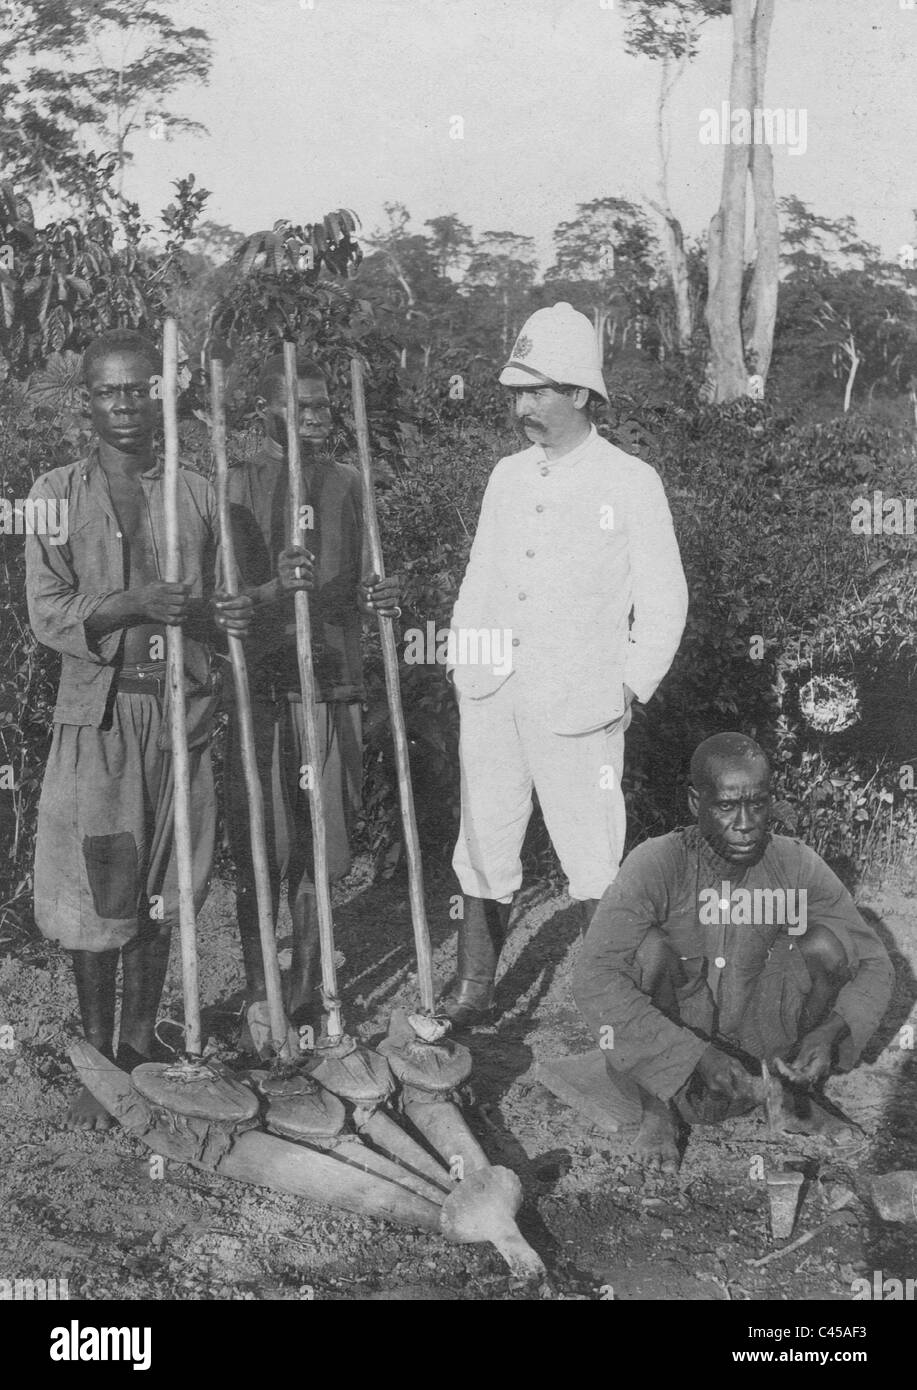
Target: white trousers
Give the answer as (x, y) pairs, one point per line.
(505, 750)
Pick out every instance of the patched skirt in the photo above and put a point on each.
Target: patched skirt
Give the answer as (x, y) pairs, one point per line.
(105, 855)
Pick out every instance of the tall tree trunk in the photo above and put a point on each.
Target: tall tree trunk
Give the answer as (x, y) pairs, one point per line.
(853, 358)
(761, 308)
(401, 277)
(674, 242)
(726, 248)
(600, 320)
(672, 237)
(120, 132)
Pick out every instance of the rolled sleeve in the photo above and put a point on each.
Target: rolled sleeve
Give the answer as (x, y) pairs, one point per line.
(58, 608)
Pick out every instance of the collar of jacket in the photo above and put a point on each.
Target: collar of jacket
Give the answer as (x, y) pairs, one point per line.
(569, 459)
(713, 865)
(91, 462)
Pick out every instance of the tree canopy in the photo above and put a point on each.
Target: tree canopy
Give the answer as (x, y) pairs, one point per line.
(82, 77)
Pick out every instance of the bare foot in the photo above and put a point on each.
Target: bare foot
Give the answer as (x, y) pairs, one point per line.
(656, 1143)
(86, 1112)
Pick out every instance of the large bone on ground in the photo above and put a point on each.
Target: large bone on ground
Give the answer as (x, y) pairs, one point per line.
(482, 1208)
(297, 1108)
(254, 1157)
(444, 1128)
(382, 1131)
(353, 1150)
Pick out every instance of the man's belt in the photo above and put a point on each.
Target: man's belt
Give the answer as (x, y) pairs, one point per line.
(153, 679)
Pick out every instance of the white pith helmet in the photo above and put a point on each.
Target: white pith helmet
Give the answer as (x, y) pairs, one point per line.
(556, 344)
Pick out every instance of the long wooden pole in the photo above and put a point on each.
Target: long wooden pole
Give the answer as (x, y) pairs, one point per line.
(178, 724)
(334, 1020)
(393, 687)
(246, 727)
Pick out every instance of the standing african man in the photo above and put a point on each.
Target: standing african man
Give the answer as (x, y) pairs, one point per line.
(575, 575)
(105, 870)
(330, 567)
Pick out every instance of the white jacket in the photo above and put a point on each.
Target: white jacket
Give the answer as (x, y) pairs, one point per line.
(564, 550)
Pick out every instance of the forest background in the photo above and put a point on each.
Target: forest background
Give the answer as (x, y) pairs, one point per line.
(767, 369)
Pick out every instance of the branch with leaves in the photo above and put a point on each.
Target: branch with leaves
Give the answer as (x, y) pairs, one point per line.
(65, 282)
(80, 77)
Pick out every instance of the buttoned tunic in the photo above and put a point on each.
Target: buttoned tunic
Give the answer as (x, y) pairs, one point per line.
(577, 557)
(660, 885)
(575, 572)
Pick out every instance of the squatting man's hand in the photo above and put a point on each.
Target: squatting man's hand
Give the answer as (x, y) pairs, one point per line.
(813, 1060)
(296, 569)
(381, 596)
(725, 1075)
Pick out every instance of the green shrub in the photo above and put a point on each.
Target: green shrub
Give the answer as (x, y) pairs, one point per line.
(781, 592)
(784, 599)
(32, 440)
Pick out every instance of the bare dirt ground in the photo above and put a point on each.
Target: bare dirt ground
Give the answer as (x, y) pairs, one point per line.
(85, 1207)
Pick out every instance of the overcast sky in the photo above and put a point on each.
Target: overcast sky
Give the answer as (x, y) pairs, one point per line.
(349, 103)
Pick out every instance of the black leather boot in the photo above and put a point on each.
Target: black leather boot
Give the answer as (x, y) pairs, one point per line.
(471, 995)
(588, 906)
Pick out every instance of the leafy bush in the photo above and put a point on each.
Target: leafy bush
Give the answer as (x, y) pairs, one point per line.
(782, 591)
(66, 282)
(786, 601)
(32, 440)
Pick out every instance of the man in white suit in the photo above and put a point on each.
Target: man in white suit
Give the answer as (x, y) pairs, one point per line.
(572, 606)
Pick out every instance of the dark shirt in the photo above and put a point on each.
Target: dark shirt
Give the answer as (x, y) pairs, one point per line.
(260, 520)
(660, 885)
